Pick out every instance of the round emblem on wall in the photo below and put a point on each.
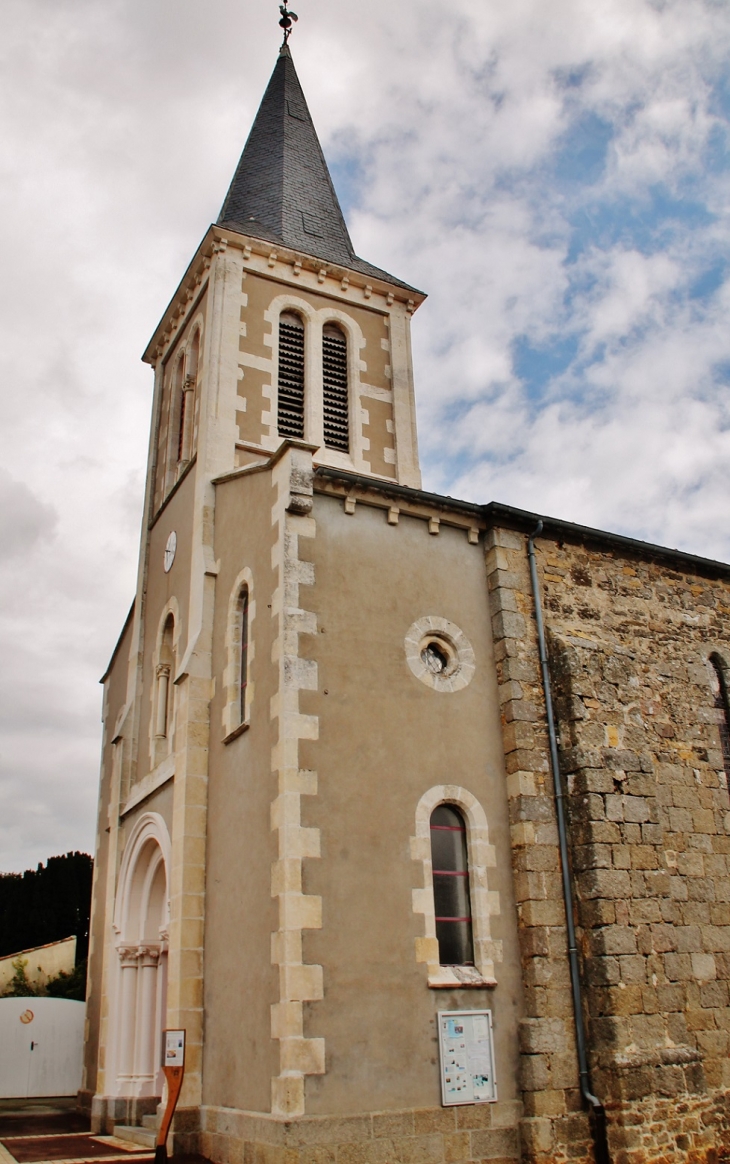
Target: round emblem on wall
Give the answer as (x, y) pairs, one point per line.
(439, 654)
(27, 1016)
(170, 549)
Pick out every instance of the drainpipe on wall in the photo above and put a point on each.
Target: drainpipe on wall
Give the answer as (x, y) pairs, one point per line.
(598, 1112)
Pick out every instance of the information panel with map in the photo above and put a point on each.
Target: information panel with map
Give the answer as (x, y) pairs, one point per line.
(466, 1050)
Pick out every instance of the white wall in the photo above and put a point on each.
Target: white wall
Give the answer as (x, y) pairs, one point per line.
(41, 1046)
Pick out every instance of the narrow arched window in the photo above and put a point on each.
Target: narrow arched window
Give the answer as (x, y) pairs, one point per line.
(187, 412)
(720, 692)
(178, 389)
(290, 415)
(164, 676)
(452, 900)
(335, 389)
(194, 357)
(244, 651)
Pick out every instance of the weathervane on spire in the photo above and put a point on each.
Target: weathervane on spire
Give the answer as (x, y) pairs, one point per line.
(287, 16)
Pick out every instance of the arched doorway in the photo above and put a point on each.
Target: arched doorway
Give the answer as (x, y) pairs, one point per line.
(141, 922)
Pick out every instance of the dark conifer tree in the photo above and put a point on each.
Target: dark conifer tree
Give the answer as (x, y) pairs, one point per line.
(47, 904)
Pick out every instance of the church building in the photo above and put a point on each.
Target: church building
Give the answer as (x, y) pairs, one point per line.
(414, 812)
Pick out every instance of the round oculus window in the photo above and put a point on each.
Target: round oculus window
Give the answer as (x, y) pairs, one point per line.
(439, 654)
(170, 549)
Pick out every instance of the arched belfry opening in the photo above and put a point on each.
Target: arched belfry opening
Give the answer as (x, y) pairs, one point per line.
(142, 923)
(291, 375)
(335, 388)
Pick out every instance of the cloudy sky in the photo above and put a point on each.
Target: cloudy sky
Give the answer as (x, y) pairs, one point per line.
(555, 173)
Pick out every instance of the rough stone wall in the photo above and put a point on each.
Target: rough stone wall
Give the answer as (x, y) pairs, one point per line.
(555, 1127)
(650, 832)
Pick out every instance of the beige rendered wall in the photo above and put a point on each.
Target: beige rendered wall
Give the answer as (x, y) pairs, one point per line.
(42, 962)
(160, 801)
(164, 590)
(240, 982)
(115, 691)
(169, 405)
(385, 739)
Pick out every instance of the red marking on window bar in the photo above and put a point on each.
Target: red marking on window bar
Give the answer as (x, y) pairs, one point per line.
(453, 919)
(449, 873)
(448, 828)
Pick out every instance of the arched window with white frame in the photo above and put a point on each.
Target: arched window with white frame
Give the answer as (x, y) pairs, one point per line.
(243, 657)
(237, 682)
(451, 844)
(451, 893)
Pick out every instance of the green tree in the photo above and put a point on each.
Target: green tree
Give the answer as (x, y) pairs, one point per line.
(19, 986)
(71, 985)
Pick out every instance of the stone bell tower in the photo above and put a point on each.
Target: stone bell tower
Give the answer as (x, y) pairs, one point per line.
(314, 340)
(280, 353)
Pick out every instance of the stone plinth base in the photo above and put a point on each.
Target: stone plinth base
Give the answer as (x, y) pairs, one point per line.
(457, 1135)
(107, 1110)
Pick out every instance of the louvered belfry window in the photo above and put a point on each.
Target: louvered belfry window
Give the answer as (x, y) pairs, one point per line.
(291, 376)
(452, 900)
(335, 391)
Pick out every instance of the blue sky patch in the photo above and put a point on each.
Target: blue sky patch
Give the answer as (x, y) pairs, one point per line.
(347, 168)
(717, 153)
(536, 365)
(580, 155)
(705, 286)
(647, 225)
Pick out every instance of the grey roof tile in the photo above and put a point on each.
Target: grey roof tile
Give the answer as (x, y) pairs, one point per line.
(282, 190)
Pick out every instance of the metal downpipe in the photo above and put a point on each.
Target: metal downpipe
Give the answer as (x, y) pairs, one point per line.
(598, 1112)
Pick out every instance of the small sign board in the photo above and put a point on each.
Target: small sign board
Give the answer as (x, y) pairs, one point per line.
(174, 1049)
(466, 1052)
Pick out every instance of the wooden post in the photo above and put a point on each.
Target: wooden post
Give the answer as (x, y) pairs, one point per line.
(174, 1068)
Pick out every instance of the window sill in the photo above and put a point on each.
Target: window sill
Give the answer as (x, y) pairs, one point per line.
(459, 978)
(242, 727)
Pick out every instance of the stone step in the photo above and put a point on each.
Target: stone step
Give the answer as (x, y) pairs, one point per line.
(145, 1137)
(151, 1122)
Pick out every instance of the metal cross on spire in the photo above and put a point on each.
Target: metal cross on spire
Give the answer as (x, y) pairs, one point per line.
(287, 18)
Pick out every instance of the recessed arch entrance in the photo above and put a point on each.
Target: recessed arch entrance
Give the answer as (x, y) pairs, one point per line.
(141, 922)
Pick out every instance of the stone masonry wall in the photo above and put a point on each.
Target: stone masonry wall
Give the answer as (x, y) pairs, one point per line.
(555, 1127)
(629, 641)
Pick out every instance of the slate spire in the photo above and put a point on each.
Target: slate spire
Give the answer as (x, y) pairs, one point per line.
(282, 190)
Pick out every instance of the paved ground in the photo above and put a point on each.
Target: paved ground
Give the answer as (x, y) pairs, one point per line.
(51, 1131)
(28, 1117)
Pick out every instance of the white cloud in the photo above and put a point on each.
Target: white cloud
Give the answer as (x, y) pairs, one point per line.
(548, 172)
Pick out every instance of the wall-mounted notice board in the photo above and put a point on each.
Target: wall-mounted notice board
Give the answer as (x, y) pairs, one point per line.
(466, 1051)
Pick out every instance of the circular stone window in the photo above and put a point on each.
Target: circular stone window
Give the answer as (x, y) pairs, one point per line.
(439, 654)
